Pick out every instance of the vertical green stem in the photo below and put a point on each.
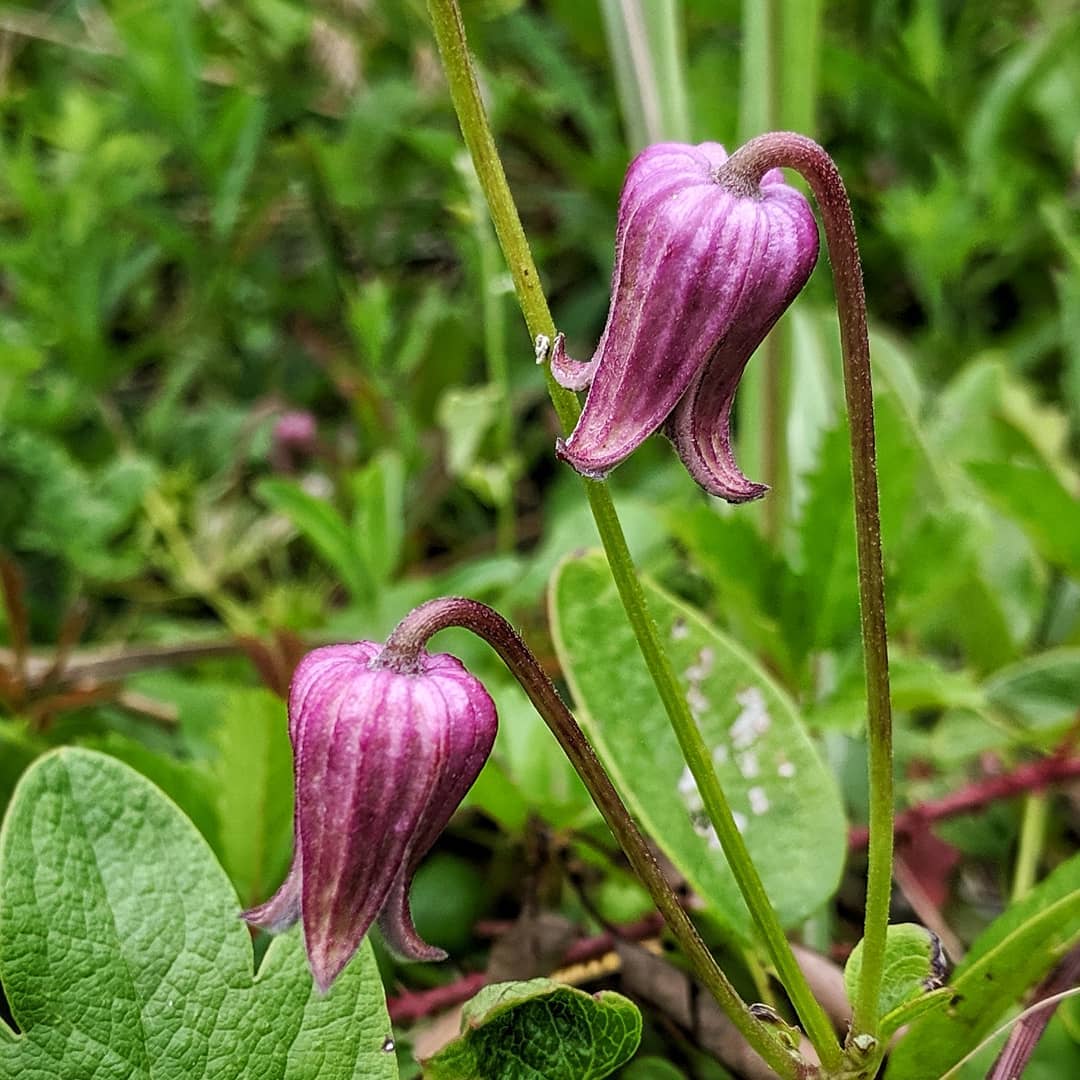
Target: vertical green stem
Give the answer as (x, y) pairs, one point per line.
(743, 171)
(450, 35)
(1030, 848)
(498, 368)
(403, 645)
(778, 89)
(646, 47)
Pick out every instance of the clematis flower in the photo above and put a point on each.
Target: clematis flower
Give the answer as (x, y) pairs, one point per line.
(703, 269)
(383, 754)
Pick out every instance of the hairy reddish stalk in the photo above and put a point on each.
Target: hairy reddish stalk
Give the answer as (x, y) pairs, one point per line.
(1033, 776)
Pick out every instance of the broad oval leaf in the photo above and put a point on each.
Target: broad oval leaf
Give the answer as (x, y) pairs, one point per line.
(123, 957)
(539, 1030)
(784, 799)
(914, 965)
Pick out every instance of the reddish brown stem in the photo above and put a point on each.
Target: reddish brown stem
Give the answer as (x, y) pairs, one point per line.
(1034, 776)
(409, 1006)
(1017, 1051)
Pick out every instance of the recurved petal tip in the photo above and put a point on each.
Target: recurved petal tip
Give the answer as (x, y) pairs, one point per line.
(581, 465)
(282, 910)
(700, 426)
(398, 931)
(569, 373)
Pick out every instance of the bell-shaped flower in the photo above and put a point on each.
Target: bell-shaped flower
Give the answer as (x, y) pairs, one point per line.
(703, 269)
(382, 758)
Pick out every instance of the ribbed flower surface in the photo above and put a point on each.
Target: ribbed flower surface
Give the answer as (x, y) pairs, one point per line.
(702, 272)
(382, 760)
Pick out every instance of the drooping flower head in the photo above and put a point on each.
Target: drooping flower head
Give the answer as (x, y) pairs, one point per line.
(383, 755)
(703, 269)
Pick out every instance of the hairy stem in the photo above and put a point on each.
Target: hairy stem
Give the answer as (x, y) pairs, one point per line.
(403, 645)
(743, 171)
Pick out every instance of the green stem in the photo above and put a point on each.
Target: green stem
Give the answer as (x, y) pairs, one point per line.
(450, 35)
(402, 647)
(760, 401)
(1030, 848)
(498, 366)
(743, 171)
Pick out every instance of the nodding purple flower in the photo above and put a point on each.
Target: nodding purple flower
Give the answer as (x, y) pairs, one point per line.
(295, 436)
(703, 269)
(383, 752)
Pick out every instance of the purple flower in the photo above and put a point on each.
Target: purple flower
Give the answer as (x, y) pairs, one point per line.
(382, 758)
(703, 269)
(295, 436)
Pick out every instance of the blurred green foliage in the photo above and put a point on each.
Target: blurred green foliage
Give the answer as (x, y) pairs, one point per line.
(215, 216)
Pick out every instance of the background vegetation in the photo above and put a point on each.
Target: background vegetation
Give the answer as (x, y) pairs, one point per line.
(262, 385)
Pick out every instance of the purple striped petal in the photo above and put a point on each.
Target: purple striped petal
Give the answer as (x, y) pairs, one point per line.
(382, 759)
(701, 274)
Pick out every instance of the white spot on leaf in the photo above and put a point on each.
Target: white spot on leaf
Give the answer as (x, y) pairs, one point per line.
(697, 701)
(753, 721)
(748, 764)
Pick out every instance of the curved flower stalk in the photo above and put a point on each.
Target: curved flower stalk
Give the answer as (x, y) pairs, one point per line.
(703, 269)
(384, 751)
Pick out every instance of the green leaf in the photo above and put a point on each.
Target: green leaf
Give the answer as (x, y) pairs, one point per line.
(1005, 960)
(1039, 503)
(188, 784)
(122, 956)
(324, 528)
(371, 321)
(914, 964)
(466, 414)
(651, 1068)
(254, 786)
(54, 505)
(1040, 691)
(17, 750)
(163, 57)
(539, 1030)
(785, 800)
(916, 683)
(648, 52)
(239, 131)
(912, 1010)
(379, 515)
(747, 575)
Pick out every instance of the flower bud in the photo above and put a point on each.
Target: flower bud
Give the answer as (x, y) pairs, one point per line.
(703, 269)
(383, 753)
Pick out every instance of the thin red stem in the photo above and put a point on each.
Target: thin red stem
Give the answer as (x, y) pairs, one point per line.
(1034, 776)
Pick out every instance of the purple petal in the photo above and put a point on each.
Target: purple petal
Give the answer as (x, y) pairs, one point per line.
(282, 910)
(466, 742)
(382, 759)
(700, 423)
(396, 925)
(701, 273)
(570, 374)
